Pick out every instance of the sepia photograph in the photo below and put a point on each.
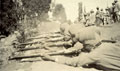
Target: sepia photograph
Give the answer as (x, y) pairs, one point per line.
(59, 35)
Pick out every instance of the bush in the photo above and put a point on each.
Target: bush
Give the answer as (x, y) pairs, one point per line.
(10, 15)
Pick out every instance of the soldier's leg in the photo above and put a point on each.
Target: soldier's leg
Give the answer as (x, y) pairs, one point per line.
(114, 17)
(103, 21)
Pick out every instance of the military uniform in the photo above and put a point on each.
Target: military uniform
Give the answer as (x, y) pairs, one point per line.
(117, 10)
(106, 57)
(87, 35)
(107, 17)
(98, 18)
(91, 20)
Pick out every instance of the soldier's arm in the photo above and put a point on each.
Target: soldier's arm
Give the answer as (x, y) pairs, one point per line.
(83, 59)
(77, 47)
(76, 61)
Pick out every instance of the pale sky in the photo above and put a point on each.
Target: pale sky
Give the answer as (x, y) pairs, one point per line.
(71, 6)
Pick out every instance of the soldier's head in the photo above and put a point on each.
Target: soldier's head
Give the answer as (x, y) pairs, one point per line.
(113, 4)
(101, 9)
(115, 1)
(91, 11)
(85, 14)
(97, 8)
(106, 9)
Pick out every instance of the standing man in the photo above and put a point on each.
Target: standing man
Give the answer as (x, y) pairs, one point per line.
(98, 20)
(91, 20)
(117, 9)
(107, 17)
(102, 16)
(113, 12)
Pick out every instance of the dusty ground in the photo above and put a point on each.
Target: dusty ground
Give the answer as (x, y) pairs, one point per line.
(108, 32)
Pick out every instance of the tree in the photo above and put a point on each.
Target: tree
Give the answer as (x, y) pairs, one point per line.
(13, 11)
(40, 7)
(10, 15)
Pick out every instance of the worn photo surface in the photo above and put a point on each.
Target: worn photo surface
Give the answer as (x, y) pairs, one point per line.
(59, 35)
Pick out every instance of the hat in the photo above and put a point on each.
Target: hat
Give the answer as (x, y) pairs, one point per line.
(85, 14)
(101, 9)
(106, 8)
(91, 11)
(97, 7)
(113, 3)
(115, 0)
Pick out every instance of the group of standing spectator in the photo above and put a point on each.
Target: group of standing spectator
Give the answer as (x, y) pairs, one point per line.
(111, 15)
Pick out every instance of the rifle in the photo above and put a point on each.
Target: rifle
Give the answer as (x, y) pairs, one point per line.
(62, 52)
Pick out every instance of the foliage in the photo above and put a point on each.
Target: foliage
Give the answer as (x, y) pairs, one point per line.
(10, 15)
(39, 7)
